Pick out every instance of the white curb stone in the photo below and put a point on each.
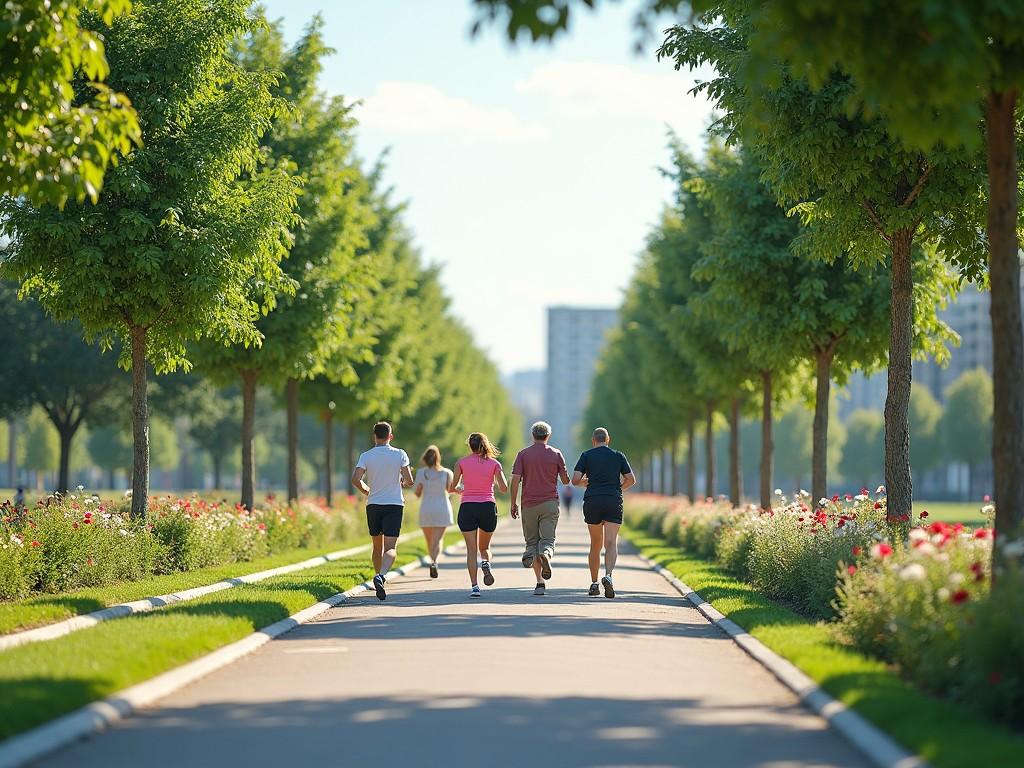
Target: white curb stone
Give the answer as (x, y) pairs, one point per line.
(92, 718)
(876, 745)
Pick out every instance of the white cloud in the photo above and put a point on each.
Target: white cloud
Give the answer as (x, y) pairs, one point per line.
(587, 89)
(415, 108)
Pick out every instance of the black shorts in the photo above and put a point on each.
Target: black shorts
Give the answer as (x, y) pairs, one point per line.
(478, 514)
(384, 519)
(602, 509)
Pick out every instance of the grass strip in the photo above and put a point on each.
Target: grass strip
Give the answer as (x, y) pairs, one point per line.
(38, 610)
(943, 732)
(42, 681)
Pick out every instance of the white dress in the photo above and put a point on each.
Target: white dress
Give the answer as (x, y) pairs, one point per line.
(435, 506)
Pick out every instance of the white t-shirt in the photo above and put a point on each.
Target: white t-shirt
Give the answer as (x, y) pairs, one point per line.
(383, 465)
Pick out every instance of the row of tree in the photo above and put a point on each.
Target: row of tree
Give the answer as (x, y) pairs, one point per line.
(889, 132)
(238, 234)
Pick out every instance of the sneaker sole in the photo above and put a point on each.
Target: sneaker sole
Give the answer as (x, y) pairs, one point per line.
(433, 571)
(545, 567)
(381, 594)
(609, 589)
(475, 594)
(488, 578)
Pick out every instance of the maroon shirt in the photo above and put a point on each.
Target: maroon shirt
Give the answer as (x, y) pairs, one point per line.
(539, 466)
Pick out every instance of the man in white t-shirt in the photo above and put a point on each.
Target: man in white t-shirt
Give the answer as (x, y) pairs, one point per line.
(380, 474)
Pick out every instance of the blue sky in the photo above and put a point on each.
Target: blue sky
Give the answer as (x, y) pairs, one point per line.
(530, 172)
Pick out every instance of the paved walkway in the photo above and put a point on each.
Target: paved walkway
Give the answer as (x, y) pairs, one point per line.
(430, 678)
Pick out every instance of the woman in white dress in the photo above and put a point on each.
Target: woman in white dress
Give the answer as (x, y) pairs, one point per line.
(432, 481)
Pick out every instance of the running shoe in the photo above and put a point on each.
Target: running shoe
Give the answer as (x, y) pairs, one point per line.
(527, 561)
(545, 566)
(539, 590)
(475, 592)
(378, 586)
(595, 590)
(433, 570)
(609, 588)
(485, 566)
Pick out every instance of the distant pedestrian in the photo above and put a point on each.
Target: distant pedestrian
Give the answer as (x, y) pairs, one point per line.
(478, 513)
(386, 472)
(605, 473)
(432, 484)
(539, 468)
(567, 497)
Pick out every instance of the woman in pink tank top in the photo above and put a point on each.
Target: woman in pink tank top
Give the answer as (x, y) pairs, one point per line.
(478, 513)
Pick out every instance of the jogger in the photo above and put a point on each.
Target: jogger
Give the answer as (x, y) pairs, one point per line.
(432, 483)
(386, 472)
(478, 512)
(605, 473)
(538, 468)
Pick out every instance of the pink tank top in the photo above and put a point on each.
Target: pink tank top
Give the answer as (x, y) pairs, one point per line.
(478, 477)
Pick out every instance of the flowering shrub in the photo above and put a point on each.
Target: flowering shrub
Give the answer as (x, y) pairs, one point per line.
(79, 541)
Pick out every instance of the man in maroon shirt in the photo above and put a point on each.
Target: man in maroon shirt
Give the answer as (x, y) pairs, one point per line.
(538, 469)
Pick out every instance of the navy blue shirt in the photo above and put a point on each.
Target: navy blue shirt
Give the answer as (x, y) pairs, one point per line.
(604, 468)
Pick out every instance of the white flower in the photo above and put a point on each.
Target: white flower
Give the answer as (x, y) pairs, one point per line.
(123, 532)
(860, 497)
(918, 534)
(956, 578)
(925, 548)
(943, 594)
(988, 509)
(880, 489)
(804, 493)
(128, 493)
(80, 487)
(914, 572)
(822, 501)
(778, 491)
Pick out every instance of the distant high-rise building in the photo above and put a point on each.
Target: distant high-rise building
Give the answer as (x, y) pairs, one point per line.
(526, 389)
(575, 340)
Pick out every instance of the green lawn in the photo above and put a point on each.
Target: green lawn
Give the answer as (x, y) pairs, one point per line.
(42, 681)
(947, 735)
(966, 512)
(37, 610)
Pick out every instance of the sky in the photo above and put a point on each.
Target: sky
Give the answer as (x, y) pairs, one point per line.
(532, 171)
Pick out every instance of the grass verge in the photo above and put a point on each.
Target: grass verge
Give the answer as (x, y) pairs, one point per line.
(966, 512)
(945, 734)
(42, 681)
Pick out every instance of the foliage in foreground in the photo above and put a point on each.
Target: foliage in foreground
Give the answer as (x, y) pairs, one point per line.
(924, 604)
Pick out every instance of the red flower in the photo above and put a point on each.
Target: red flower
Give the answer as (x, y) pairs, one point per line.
(88, 561)
(851, 569)
(878, 505)
(262, 527)
(960, 596)
(835, 498)
(884, 549)
(924, 514)
(36, 543)
(841, 523)
(983, 533)
(856, 551)
(74, 526)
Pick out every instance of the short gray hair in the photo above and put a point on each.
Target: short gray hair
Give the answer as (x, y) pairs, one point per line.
(601, 435)
(541, 429)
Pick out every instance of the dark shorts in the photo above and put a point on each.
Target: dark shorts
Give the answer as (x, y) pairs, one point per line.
(478, 514)
(384, 519)
(602, 509)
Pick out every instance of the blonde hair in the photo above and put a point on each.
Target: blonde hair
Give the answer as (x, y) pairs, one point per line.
(481, 446)
(431, 457)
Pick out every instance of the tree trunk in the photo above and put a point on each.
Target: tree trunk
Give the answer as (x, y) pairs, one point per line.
(217, 460)
(735, 459)
(292, 402)
(248, 427)
(767, 446)
(970, 482)
(819, 443)
(350, 450)
(66, 432)
(691, 459)
(110, 478)
(709, 451)
(185, 460)
(674, 460)
(899, 487)
(329, 457)
(1007, 334)
(12, 452)
(666, 471)
(140, 425)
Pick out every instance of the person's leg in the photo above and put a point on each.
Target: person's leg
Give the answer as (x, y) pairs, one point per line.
(484, 544)
(611, 547)
(378, 552)
(470, 537)
(536, 571)
(390, 553)
(434, 535)
(531, 534)
(547, 525)
(594, 558)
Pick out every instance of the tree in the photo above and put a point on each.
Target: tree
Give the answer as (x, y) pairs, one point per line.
(979, 82)
(863, 452)
(794, 444)
(60, 126)
(926, 448)
(966, 423)
(110, 448)
(174, 248)
(64, 375)
(215, 423)
(859, 191)
(42, 446)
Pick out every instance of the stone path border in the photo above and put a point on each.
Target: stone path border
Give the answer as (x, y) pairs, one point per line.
(876, 745)
(84, 621)
(48, 738)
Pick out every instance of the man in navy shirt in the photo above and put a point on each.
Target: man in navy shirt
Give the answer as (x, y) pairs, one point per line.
(605, 473)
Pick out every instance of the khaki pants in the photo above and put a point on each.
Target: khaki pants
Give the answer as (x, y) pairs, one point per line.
(539, 523)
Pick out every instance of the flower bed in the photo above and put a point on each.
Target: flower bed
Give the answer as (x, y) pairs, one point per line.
(64, 543)
(923, 603)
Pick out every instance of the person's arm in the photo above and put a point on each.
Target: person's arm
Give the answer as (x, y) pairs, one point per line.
(628, 481)
(418, 489)
(514, 490)
(499, 478)
(563, 475)
(359, 483)
(578, 478)
(407, 481)
(453, 486)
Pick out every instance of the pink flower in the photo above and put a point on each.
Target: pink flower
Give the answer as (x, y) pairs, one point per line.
(881, 550)
(856, 551)
(851, 569)
(986, 498)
